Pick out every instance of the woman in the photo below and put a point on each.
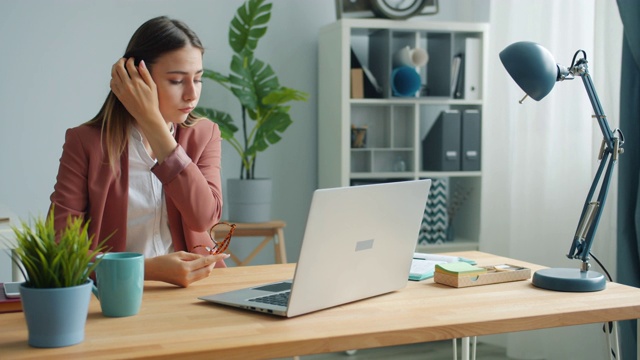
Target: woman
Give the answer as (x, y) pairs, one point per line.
(145, 172)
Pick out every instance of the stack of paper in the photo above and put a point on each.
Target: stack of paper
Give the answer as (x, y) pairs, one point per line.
(423, 265)
(460, 269)
(460, 274)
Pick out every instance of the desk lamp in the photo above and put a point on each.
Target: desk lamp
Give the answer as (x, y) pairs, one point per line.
(534, 69)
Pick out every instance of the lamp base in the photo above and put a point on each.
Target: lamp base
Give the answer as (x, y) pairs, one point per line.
(569, 280)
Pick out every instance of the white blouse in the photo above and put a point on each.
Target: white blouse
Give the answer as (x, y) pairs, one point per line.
(147, 223)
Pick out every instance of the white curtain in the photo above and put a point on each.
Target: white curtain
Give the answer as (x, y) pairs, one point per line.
(540, 157)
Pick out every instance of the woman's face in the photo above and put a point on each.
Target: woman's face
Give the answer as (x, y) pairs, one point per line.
(178, 77)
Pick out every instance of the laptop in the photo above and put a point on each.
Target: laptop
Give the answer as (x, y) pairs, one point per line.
(358, 243)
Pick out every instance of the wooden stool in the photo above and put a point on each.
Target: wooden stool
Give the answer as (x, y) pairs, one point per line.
(271, 230)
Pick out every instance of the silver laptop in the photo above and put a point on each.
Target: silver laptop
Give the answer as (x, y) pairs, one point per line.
(358, 243)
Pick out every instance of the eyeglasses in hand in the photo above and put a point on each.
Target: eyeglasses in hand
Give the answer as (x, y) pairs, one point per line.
(219, 246)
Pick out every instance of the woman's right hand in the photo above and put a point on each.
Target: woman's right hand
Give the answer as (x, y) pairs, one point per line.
(135, 88)
(181, 268)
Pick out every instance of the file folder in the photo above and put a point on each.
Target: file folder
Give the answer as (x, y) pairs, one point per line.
(441, 145)
(471, 137)
(472, 68)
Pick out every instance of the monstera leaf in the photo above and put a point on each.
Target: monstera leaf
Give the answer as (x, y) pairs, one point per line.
(254, 83)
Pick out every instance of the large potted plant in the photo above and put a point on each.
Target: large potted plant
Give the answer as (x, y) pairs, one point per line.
(57, 290)
(264, 111)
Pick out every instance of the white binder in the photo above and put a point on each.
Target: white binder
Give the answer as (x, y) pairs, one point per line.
(472, 68)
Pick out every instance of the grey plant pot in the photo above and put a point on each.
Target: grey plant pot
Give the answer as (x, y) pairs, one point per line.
(248, 201)
(56, 317)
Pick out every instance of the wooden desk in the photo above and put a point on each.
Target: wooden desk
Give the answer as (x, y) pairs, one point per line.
(271, 230)
(173, 323)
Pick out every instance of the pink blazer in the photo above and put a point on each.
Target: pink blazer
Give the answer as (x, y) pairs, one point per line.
(86, 186)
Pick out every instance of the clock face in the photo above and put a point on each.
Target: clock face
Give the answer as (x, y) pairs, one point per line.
(397, 9)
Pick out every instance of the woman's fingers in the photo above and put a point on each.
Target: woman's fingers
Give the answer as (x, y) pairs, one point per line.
(145, 74)
(136, 91)
(132, 70)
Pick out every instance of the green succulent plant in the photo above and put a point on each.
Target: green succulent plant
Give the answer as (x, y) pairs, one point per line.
(265, 115)
(47, 261)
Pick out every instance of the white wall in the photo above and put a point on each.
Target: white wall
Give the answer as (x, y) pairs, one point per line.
(55, 61)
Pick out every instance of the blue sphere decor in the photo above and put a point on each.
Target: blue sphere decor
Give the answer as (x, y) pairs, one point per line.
(405, 81)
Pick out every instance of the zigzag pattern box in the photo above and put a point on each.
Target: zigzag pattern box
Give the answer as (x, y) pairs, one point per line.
(435, 221)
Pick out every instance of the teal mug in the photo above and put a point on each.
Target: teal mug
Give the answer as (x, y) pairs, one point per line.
(119, 283)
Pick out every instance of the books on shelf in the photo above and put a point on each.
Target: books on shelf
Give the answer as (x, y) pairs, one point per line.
(9, 304)
(466, 71)
(368, 82)
(456, 76)
(357, 84)
(423, 265)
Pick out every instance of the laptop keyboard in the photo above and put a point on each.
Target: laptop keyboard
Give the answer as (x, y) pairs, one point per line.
(280, 299)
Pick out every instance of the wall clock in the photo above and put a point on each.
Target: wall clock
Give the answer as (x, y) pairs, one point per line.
(393, 9)
(397, 9)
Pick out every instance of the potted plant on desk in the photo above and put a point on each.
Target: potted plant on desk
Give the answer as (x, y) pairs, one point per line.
(56, 293)
(265, 113)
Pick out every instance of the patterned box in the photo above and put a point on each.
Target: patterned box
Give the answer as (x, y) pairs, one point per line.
(435, 221)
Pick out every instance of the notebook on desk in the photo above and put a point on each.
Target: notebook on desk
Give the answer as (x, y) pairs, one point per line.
(358, 243)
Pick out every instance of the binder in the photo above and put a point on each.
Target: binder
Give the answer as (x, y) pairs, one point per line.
(471, 136)
(457, 76)
(441, 145)
(472, 68)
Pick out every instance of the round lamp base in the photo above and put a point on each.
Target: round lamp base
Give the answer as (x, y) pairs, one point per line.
(569, 280)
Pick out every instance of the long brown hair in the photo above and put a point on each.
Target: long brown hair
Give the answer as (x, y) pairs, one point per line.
(152, 39)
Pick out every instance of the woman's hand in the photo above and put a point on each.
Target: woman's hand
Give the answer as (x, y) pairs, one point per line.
(180, 268)
(137, 91)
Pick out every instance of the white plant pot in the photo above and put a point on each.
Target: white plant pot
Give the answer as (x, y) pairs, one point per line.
(248, 201)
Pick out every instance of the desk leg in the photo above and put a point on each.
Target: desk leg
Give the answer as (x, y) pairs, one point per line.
(465, 348)
(611, 331)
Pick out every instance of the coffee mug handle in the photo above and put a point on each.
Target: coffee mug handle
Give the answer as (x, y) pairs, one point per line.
(94, 289)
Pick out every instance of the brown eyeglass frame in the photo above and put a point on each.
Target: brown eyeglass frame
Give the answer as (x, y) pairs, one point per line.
(218, 246)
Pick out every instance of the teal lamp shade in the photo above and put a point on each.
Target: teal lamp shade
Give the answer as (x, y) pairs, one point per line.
(532, 67)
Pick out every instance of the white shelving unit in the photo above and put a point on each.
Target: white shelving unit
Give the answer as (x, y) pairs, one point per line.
(395, 125)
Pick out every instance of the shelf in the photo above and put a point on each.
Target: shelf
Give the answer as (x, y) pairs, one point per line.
(397, 138)
(425, 100)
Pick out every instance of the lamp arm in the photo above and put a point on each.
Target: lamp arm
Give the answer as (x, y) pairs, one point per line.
(581, 69)
(611, 148)
(591, 212)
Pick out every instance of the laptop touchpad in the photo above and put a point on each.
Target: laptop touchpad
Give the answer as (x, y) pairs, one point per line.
(275, 287)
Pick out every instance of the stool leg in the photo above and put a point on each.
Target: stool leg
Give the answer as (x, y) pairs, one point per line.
(279, 247)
